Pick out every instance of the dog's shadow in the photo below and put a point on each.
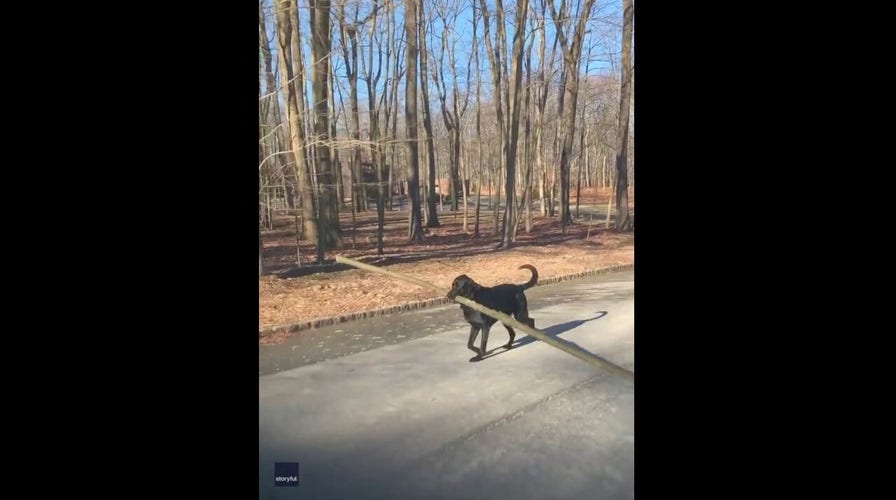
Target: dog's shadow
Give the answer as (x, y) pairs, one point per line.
(551, 331)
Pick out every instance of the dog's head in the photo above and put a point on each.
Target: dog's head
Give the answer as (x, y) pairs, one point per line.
(463, 286)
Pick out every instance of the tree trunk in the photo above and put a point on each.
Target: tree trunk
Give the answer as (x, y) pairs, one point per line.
(432, 216)
(552, 186)
(578, 186)
(424, 192)
(605, 172)
(509, 96)
(260, 255)
(545, 75)
(478, 129)
(329, 234)
(514, 101)
(527, 202)
(260, 244)
(333, 119)
(292, 75)
(393, 180)
(494, 51)
(582, 158)
(262, 119)
(415, 226)
(478, 204)
(496, 220)
(348, 34)
(623, 220)
(377, 151)
(572, 50)
(465, 189)
(334, 152)
(273, 104)
(452, 117)
(391, 107)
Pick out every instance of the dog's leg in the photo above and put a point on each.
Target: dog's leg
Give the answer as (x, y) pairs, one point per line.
(474, 331)
(485, 330)
(522, 312)
(512, 333)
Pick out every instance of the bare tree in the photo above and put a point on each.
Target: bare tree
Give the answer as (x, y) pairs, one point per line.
(260, 244)
(400, 71)
(292, 76)
(623, 220)
(494, 51)
(478, 124)
(527, 184)
(260, 252)
(509, 131)
(329, 235)
(338, 192)
(394, 56)
(572, 50)
(582, 158)
(377, 152)
(432, 216)
(348, 33)
(542, 87)
(522, 9)
(451, 116)
(271, 138)
(263, 120)
(415, 230)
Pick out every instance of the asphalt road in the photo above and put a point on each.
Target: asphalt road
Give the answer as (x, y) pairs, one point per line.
(391, 407)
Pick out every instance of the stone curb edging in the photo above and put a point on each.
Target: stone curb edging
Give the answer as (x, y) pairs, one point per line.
(420, 304)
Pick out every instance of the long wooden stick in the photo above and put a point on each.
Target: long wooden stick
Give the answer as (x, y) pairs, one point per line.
(564, 346)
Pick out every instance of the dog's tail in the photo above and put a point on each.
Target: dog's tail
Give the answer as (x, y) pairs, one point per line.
(534, 278)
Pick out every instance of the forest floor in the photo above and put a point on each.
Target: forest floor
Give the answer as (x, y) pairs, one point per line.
(290, 294)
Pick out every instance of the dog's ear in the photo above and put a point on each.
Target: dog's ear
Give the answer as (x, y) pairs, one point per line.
(457, 286)
(469, 287)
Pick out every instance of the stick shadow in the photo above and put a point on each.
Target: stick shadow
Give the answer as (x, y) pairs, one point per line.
(551, 331)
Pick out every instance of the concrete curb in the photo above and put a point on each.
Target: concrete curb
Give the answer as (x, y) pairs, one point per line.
(420, 304)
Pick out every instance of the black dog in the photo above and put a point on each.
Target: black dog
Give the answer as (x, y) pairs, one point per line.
(509, 299)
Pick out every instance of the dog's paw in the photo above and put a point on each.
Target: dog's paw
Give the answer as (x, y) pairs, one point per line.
(476, 358)
(508, 346)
